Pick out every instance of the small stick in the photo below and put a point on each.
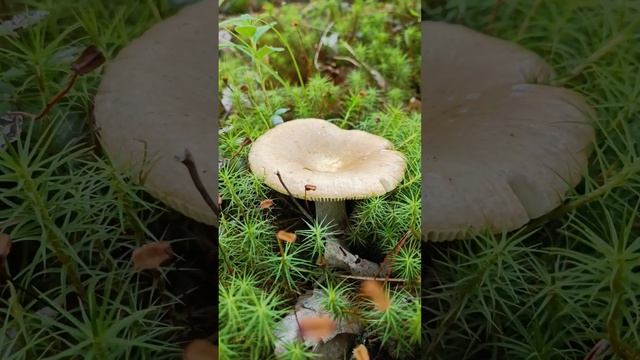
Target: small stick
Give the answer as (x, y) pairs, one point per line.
(356, 277)
(316, 63)
(308, 187)
(387, 259)
(244, 143)
(58, 96)
(193, 171)
(302, 210)
(295, 313)
(90, 59)
(494, 15)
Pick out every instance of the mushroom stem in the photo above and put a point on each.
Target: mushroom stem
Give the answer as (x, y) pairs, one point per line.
(336, 252)
(332, 212)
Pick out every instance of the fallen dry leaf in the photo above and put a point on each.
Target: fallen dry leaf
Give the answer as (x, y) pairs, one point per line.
(316, 326)
(5, 245)
(415, 105)
(90, 59)
(151, 256)
(266, 204)
(286, 236)
(200, 350)
(375, 291)
(360, 352)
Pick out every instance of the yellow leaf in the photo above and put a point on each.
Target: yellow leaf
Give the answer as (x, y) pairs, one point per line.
(360, 352)
(286, 236)
(200, 350)
(375, 291)
(316, 326)
(151, 256)
(266, 204)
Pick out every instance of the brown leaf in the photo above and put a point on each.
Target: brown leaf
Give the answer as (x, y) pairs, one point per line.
(266, 204)
(90, 59)
(5, 245)
(151, 256)
(200, 350)
(286, 236)
(375, 291)
(414, 105)
(360, 352)
(316, 326)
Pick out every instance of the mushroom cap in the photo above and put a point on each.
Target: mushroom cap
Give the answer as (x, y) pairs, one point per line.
(500, 149)
(341, 164)
(157, 99)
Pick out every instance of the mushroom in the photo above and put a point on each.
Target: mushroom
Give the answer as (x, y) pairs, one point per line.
(157, 100)
(500, 147)
(318, 161)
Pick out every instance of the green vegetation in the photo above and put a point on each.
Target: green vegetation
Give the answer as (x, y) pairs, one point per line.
(67, 289)
(363, 77)
(572, 284)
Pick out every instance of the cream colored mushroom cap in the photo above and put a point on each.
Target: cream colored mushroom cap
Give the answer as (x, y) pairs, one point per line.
(157, 99)
(341, 164)
(500, 149)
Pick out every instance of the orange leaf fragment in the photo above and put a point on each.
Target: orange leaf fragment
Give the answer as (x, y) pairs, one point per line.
(266, 204)
(151, 256)
(375, 291)
(414, 105)
(286, 236)
(90, 59)
(200, 350)
(5, 245)
(317, 326)
(360, 352)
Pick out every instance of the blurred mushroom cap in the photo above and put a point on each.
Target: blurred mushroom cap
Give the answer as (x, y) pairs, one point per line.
(500, 148)
(332, 164)
(157, 99)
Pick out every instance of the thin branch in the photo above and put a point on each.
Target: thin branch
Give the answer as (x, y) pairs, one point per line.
(356, 277)
(58, 96)
(293, 199)
(387, 263)
(316, 62)
(195, 177)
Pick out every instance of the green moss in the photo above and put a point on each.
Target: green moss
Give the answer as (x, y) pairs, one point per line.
(348, 94)
(555, 291)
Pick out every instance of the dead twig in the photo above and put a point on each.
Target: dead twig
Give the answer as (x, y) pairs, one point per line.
(293, 200)
(90, 59)
(316, 62)
(195, 177)
(382, 83)
(387, 263)
(356, 277)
